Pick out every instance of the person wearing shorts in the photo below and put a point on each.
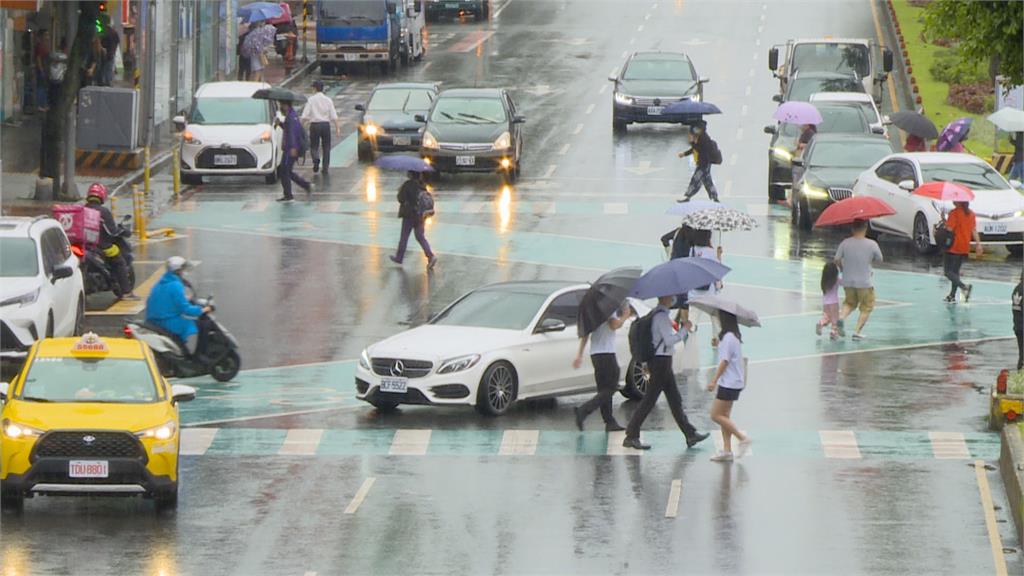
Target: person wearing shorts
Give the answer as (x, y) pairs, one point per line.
(855, 257)
(730, 378)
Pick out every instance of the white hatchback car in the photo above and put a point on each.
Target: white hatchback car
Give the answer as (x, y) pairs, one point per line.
(999, 207)
(41, 294)
(228, 132)
(495, 345)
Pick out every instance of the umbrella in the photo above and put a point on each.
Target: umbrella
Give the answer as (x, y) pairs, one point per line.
(257, 40)
(404, 163)
(604, 297)
(713, 303)
(945, 191)
(279, 94)
(917, 124)
(794, 112)
(1008, 119)
(720, 219)
(953, 133)
(678, 276)
(684, 208)
(259, 11)
(853, 209)
(691, 107)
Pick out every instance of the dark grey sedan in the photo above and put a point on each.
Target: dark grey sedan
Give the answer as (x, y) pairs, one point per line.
(388, 120)
(650, 81)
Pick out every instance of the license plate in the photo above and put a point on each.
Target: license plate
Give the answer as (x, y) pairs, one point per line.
(655, 110)
(452, 5)
(351, 56)
(402, 140)
(398, 385)
(225, 160)
(993, 228)
(465, 160)
(88, 469)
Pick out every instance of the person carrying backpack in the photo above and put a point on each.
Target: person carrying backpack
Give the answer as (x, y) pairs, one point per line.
(652, 339)
(415, 204)
(705, 153)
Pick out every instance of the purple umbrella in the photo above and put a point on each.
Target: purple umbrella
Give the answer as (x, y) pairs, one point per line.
(794, 112)
(953, 134)
(258, 40)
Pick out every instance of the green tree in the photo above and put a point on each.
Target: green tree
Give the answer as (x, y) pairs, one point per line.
(989, 31)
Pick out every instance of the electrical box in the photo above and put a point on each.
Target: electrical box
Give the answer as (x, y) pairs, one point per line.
(107, 118)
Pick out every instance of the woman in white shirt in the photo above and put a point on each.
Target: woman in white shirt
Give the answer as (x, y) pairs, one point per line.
(700, 241)
(606, 369)
(730, 379)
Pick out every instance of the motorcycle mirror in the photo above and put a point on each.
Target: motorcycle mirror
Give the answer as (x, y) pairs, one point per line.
(3, 391)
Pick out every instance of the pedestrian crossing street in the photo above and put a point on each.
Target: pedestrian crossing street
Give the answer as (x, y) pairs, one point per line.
(780, 444)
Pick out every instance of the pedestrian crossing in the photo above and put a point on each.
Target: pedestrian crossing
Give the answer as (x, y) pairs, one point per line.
(411, 442)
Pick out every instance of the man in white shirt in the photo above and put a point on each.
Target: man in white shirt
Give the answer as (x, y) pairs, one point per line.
(319, 114)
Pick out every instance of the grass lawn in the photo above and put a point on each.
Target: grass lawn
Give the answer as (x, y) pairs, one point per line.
(934, 92)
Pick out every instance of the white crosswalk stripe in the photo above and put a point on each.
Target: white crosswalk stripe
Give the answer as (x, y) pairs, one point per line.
(519, 443)
(410, 443)
(196, 441)
(949, 445)
(301, 442)
(615, 447)
(839, 444)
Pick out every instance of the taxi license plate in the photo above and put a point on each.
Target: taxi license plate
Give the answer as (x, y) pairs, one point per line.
(397, 385)
(225, 160)
(88, 469)
(465, 160)
(993, 228)
(351, 57)
(451, 5)
(655, 110)
(402, 140)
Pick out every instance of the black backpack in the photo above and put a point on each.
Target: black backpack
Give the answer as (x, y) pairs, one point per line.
(641, 338)
(425, 204)
(716, 154)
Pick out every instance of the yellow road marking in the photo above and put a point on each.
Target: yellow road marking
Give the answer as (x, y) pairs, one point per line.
(130, 307)
(990, 518)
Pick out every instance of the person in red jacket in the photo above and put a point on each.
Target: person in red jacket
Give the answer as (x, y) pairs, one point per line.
(963, 226)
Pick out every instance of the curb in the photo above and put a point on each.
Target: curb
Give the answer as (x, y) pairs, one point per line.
(1011, 468)
(900, 64)
(300, 73)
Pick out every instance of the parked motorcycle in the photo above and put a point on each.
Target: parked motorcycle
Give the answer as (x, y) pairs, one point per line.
(97, 273)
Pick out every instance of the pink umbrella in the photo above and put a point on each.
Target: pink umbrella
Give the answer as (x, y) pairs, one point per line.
(795, 112)
(945, 191)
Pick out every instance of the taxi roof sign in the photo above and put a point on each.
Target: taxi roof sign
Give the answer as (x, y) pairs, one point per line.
(90, 343)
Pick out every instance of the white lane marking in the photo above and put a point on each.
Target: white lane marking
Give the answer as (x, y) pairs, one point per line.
(616, 208)
(647, 17)
(590, 109)
(739, 133)
(615, 447)
(763, 16)
(673, 498)
(748, 90)
(565, 148)
(632, 41)
(755, 55)
(197, 425)
(760, 29)
(550, 171)
(655, 7)
(717, 435)
(578, 129)
(751, 73)
(361, 494)
(602, 89)
(732, 160)
(764, 7)
(519, 443)
(410, 442)
(309, 573)
(427, 65)
(501, 9)
(949, 445)
(640, 28)
(757, 42)
(196, 441)
(839, 444)
(625, 53)
(744, 110)
(759, 209)
(728, 188)
(301, 442)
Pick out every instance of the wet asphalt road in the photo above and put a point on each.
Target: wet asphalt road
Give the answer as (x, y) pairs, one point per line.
(300, 288)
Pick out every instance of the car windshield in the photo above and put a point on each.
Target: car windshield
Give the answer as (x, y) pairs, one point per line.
(658, 70)
(364, 12)
(230, 111)
(847, 154)
(832, 57)
(400, 100)
(802, 88)
(834, 119)
(68, 379)
(18, 258)
(454, 110)
(976, 176)
(503, 309)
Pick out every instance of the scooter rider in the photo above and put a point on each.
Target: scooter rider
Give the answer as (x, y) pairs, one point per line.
(169, 308)
(109, 233)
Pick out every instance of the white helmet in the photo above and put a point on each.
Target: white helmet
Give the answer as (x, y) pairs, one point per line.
(177, 264)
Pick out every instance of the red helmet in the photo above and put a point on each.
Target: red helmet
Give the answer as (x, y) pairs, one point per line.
(97, 190)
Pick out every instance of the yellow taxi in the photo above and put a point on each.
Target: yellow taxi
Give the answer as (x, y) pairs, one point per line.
(90, 415)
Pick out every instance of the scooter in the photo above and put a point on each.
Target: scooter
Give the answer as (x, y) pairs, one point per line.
(97, 273)
(219, 359)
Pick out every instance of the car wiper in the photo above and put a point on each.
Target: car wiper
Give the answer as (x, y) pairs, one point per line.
(447, 115)
(34, 399)
(475, 117)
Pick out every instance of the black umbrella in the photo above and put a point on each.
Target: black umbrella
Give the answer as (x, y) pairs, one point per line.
(604, 297)
(916, 124)
(279, 94)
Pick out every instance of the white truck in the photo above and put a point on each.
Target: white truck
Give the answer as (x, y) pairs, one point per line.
(854, 56)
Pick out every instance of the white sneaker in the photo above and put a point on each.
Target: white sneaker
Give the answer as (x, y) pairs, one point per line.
(722, 456)
(858, 336)
(744, 447)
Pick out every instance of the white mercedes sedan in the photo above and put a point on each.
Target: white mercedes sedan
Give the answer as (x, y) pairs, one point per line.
(493, 346)
(999, 207)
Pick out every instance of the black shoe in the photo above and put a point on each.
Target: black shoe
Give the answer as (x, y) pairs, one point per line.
(316, 167)
(286, 199)
(967, 292)
(613, 427)
(687, 199)
(635, 444)
(696, 438)
(579, 417)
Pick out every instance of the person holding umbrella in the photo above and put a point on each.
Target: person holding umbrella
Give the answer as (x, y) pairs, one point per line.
(409, 210)
(855, 257)
(291, 144)
(606, 365)
(705, 153)
(962, 225)
(918, 127)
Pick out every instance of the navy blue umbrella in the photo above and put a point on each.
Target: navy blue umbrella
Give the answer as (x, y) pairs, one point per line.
(404, 163)
(691, 107)
(678, 276)
(257, 11)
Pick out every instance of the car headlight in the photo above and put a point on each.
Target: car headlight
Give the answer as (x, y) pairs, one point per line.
(372, 130)
(22, 300)
(429, 141)
(623, 99)
(1018, 214)
(162, 432)
(15, 431)
(264, 137)
(813, 191)
(364, 360)
(458, 364)
(782, 154)
(503, 142)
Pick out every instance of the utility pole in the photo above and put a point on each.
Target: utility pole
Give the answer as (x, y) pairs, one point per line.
(70, 188)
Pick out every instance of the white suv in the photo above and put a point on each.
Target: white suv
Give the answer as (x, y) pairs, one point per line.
(41, 293)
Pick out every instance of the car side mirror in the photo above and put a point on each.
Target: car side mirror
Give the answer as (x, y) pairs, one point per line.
(550, 325)
(179, 123)
(61, 272)
(703, 80)
(182, 393)
(886, 121)
(519, 120)
(613, 79)
(773, 59)
(797, 162)
(777, 98)
(769, 129)
(3, 391)
(876, 129)
(420, 118)
(360, 107)
(907, 185)
(1017, 184)
(887, 60)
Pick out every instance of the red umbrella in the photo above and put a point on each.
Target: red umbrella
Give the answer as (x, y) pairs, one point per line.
(853, 209)
(945, 191)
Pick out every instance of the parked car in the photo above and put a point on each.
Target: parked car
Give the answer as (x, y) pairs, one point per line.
(998, 206)
(474, 130)
(387, 122)
(648, 82)
(804, 84)
(228, 132)
(829, 167)
(42, 294)
(865, 101)
(480, 9)
(494, 346)
(836, 117)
